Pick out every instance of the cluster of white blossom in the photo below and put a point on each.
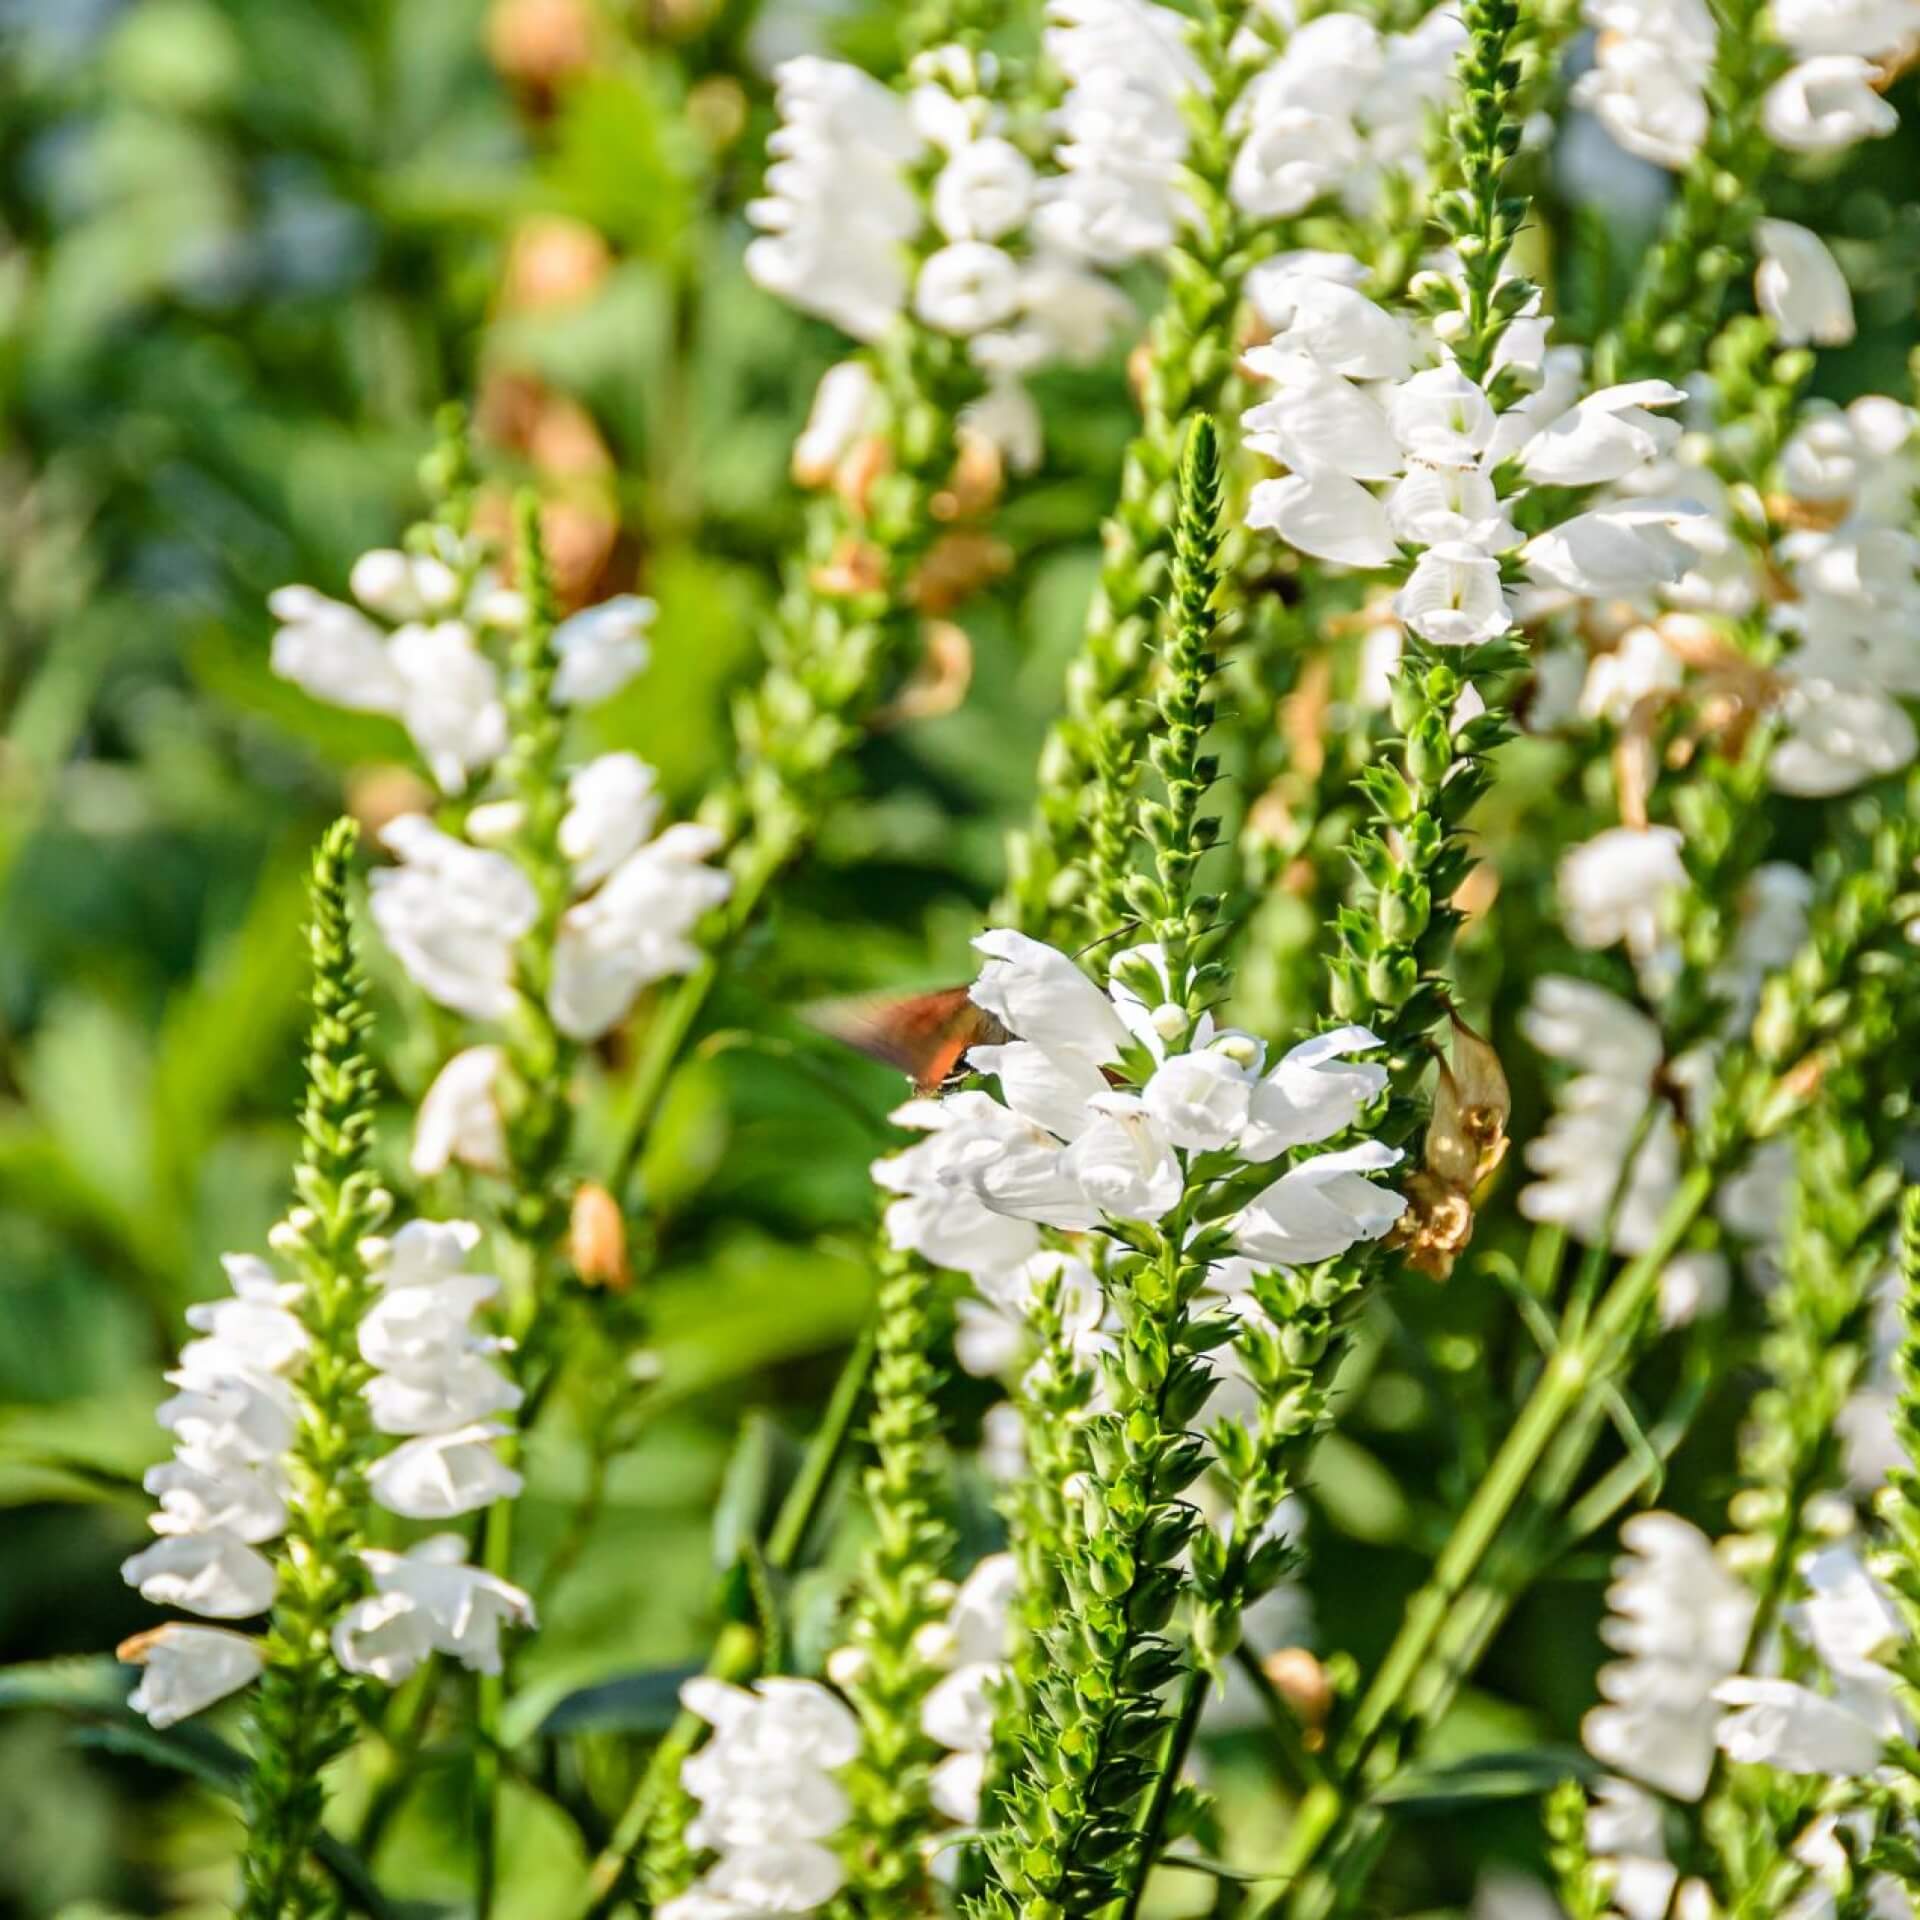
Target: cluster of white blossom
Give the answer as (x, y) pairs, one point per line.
(1393, 455)
(1331, 108)
(1838, 589)
(974, 1643)
(456, 906)
(1610, 1158)
(1652, 60)
(223, 1495)
(880, 202)
(1683, 1620)
(1342, 109)
(454, 911)
(1104, 1096)
(417, 648)
(769, 1801)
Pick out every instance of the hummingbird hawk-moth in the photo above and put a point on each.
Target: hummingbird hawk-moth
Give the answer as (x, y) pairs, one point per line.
(925, 1035)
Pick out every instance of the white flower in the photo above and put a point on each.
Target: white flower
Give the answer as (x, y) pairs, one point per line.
(1435, 506)
(459, 1117)
(1616, 886)
(1288, 159)
(185, 1669)
(334, 652)
(1598, 1115)
(1615, 683)
(1319, 420)
(967, 287)
(440, 1475)
(1314, 307)
(200, 1491)
(955, 1787)
(428, 1600)
(768, 1799)
(843, 411)
(613, 804)
(404, 586)
(1798, 285)
(984, 191)
(600, 649)
(1326, 515)
(839, 212)
(1319, 1208)
(1838, 736)
(1825, 105)
(634, 930)
(1201, 1098)
(939, 1215)
(215, 1573)
(1037, 993)
(1122, 1163)
(1603, 437)
(432, 678)
(1316, 1091)
(1682, 1620)
(1441, 418)
(981, 1616)
(1454, 597)
(1615, 552)
(993, 1332)
(1866, 27)
(1778, 1723)
(780, 1878)
(248, 1418)
(958, 1709)
(1647, 83)
(452, 913)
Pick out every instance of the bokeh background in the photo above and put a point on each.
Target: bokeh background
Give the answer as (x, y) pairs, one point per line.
(247, 247)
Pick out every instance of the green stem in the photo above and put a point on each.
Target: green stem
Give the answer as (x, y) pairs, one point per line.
(1070, 859)
(1153, 1817)
(736, 1652)
(303, 1713)
(1707, 237)
(1563, 1387)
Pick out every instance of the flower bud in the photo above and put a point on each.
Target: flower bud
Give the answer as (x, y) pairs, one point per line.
(1299, 1678)
(597, 1239)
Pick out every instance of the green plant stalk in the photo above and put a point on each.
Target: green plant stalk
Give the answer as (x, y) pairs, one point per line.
(1166, 1782)
(831, 656)
(1052, 1396)
(538, 1120)
(1814, 1010)
(736, 1651)
(304, 1709)
(1069, 1810)
(1707, 237)
(899, 1594)
(1069, 863)
(1564, 1385)
(1899, 1503)
(1846, 1185)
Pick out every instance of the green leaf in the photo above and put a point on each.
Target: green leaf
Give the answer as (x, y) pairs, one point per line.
(1515, 1775)
(643, 1703)
(762, 1465)
(99, 1686)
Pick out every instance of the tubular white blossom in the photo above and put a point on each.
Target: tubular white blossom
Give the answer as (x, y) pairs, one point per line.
(1681, 1620)
(768, 1798)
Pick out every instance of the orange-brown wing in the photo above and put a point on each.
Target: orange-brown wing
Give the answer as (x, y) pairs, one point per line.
(925, 1035)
